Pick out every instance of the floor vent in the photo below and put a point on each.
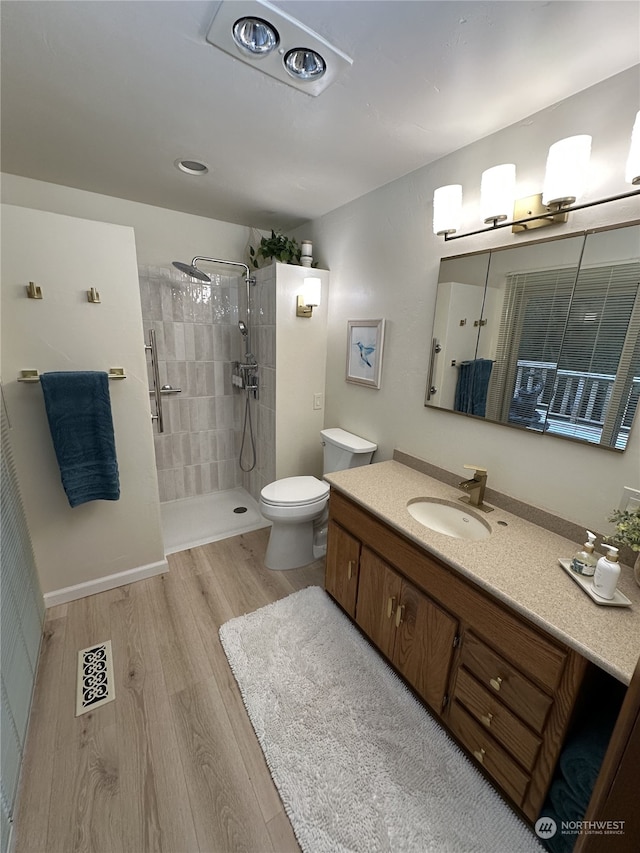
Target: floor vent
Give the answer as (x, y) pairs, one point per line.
(95, 685)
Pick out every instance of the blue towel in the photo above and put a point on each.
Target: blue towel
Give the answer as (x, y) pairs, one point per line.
(472, 386)
(79, 413)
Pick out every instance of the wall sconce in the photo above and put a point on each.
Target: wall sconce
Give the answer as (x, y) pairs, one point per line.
(564, 182)
(309, 298)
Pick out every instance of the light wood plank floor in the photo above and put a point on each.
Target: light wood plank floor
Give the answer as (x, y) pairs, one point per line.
(172, 764)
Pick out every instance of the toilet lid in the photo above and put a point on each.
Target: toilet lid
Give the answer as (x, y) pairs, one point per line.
(295, 490)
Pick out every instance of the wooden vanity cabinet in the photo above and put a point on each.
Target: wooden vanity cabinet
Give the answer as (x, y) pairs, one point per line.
(504, 688)
(415, 634)
(342, 567)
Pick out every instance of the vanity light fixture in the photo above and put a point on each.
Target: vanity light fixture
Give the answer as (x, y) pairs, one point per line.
(564, 182)
(497, 191)
(565, 177)
(309, 298)
(271, 41)
(447, 210)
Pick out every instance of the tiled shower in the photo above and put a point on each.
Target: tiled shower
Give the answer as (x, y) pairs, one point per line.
(196, 326)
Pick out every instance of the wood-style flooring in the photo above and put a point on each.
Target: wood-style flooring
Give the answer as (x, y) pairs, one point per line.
(172, 764)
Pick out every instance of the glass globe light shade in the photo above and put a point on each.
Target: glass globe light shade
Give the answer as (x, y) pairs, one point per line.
(447, 209)
(497, 192)
(565, 177)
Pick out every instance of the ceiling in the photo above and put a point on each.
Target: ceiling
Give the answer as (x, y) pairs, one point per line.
(106, 95)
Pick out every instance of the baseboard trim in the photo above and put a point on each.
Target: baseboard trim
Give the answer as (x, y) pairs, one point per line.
(82, 590)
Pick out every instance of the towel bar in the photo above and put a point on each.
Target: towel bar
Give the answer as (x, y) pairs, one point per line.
(34, 375)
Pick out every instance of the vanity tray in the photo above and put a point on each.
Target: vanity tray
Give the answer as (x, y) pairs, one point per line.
(586, 583)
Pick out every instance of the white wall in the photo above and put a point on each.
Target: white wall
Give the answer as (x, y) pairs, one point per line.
(301, 346)
(66, 256)
(384, 262)
(161, 235)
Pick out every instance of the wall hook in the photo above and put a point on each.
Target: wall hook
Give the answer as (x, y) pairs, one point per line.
(33, 291)
(93, 295)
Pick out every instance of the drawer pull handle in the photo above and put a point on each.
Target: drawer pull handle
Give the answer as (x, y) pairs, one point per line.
(495, 683)
(399, 615)
(350, 569)
(487, 719)
(391, 604)
(479, 755)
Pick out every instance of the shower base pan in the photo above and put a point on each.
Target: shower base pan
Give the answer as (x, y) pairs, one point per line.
(190, 522)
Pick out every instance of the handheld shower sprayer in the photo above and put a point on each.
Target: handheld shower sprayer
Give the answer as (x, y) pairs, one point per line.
(243, 328)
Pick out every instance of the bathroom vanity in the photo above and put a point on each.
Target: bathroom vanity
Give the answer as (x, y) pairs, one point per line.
(492, 635)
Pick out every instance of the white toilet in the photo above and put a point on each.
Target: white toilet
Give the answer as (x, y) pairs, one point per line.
(297, 506)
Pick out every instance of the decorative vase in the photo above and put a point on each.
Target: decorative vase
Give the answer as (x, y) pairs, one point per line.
(636, 569)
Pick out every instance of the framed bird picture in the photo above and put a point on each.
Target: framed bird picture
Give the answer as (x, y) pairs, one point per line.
(365, 339)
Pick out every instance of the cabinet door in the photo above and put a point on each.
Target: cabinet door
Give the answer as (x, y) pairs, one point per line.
(378, 597)
(342, 566)
(424, 645)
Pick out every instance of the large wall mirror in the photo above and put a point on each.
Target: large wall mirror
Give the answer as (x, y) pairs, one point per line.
(543, 336)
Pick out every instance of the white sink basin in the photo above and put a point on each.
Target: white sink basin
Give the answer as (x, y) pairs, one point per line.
(448, 518)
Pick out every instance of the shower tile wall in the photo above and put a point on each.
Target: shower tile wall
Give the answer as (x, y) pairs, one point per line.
(197, 339)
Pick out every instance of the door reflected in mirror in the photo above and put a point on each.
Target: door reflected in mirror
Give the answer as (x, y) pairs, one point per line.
(543, 336)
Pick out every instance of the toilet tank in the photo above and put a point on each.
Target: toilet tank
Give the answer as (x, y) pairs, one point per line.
(344, 450)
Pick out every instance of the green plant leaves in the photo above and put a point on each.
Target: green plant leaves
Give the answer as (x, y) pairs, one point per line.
(627, 528)
(279, 247)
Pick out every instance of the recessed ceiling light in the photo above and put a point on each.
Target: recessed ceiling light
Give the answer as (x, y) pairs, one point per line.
(268, 39)
(255, 36)
(192, 167)
(304, 64)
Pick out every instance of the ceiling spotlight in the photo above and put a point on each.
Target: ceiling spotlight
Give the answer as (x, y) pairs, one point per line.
(268, 39)
(255, 36)
(304, 64)
(191, 167)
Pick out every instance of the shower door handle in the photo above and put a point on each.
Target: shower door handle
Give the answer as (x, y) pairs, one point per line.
(152, 348)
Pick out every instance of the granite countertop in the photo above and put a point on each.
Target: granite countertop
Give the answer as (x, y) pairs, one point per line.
(517, 563)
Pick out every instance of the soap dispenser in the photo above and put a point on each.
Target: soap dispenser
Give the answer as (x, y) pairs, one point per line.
(584, 562)
(607, 573)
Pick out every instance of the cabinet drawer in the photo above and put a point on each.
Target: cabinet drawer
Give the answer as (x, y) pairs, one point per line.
(497, 719)
(505, 682)
(487, 752)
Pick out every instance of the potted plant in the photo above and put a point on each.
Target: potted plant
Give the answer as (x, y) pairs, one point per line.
(277, 247)
(627, 533)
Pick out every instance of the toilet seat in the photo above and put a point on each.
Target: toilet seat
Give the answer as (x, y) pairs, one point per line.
(294, 491)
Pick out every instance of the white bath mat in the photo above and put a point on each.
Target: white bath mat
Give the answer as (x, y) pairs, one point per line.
(95, 684)
(359, 764)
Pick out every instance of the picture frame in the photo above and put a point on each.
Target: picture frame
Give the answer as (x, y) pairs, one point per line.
(365, 341)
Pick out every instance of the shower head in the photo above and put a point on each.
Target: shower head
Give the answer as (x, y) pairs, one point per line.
(192, 270)
(243, 328)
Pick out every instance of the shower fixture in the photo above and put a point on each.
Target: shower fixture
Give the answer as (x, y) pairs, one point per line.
(246, 373)
(192, 270)
(270, 40)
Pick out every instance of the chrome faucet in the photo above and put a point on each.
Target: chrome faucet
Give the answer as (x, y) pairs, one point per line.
(475, 487)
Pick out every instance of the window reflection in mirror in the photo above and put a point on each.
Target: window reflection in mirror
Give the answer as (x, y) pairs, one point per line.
(543, 337)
